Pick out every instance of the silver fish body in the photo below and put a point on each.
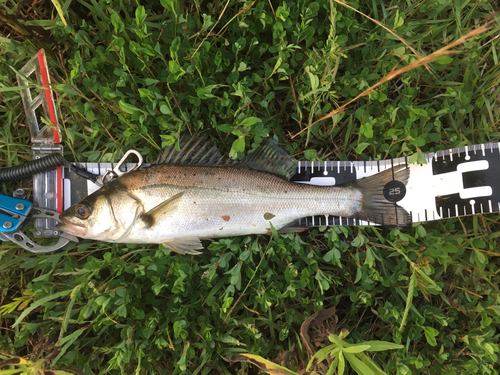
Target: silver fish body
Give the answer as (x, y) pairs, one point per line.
(179, 204)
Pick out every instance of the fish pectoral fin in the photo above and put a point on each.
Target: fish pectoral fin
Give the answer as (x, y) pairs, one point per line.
(184, 245)
(163, 210)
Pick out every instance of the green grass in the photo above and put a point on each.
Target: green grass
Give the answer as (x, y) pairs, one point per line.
(132, 74)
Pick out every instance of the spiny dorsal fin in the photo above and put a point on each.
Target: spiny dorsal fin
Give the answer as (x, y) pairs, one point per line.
(271, 158)
(195, 149)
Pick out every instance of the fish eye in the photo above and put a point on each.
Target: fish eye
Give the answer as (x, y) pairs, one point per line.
(82, 211)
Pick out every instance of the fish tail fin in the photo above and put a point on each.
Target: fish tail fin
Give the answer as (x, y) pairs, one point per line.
(381, 192)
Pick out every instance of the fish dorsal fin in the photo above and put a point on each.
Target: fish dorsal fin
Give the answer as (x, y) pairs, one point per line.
(195, 149)
(272, 159)
(163, 210)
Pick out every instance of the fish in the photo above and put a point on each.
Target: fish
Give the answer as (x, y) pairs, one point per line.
(196, 193)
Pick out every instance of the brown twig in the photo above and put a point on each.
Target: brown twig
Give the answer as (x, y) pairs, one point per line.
(397, 72)
(210, 32)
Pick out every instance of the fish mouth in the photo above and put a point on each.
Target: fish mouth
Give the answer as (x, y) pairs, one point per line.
(72, 228)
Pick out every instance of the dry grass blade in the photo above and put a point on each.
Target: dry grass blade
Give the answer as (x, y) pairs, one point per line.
(386, 28)
(215, 25)
(212, 29)
(60, 11)
(446, 50)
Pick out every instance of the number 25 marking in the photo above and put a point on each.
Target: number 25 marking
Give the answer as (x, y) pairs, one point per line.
(395, 191)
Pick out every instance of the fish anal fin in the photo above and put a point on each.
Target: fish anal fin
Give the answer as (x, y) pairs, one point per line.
(293, 229)
(163, 210)
(184, 245)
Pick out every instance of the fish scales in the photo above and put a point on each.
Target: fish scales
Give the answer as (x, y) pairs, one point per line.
(226, 201)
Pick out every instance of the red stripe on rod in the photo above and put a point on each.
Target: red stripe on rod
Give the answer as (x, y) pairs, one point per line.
(52, 114)
(45, 80)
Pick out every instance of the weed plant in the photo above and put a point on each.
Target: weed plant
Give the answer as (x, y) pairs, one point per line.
(139, 74)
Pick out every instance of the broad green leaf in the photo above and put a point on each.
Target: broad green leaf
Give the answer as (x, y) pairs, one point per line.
(165, 109)
(430, 335)
(480, 256)
(310, 154)
(239, 144)
(361, 146)
(171, 5)
(444, 60)
(399, 51)
(174, 47)
(366, 129)
(314, 81)
(205, 92)
(357, 365)
(128, 108)
(413, 158)
(67, 89)
(178, 327)
(176, 69)
(333, 366)
(371, 364)
(249, 121)
(489, 348)
(117, 22)
(140, 15)
(356, 348)
(377, 346)
(341, 363)
(228, 339)
(336, 340)
(121, 311)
